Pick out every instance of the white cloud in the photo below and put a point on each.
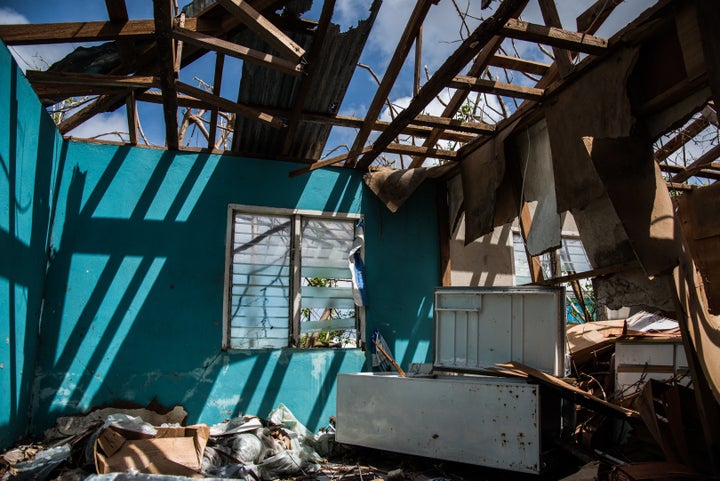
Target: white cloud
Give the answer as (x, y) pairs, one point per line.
(8, 16)
(107, 123)
(348, 12)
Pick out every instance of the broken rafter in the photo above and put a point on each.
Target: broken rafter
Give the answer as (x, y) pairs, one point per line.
(596, 14)
(519, 64)
(499, 88)
(416, 150)
(132, 118)
(456, 124)
(323, 163)
(555, 37)
(711, 171)
(457, 60)
(412, 27)
(687, 134)
(209, 42)
(101, 104)
(229, 106)
(165, 49)
(263, 28)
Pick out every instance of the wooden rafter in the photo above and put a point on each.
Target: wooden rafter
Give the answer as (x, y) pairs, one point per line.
(91, 80)
(99, 105)
(210, 42)
(457, 60)
(687, 134)
(318, 164)
(421, 151)
(165, 48)
(456, 124)
(50, 33)
(555, 37)
(217, 86)
(264, 28)
(596, 14)
(563, 58)
(307, 81)
(518, 64)
(229, 106)
(697, 166)
(499, 88)
(412, 27)
(132, 118)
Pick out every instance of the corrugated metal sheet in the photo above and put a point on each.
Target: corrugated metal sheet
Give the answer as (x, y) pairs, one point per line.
(262, 86)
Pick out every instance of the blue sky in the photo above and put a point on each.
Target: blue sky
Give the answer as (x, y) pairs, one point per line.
(442, 33)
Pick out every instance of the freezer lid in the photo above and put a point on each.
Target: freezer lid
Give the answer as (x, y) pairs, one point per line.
(476, 328)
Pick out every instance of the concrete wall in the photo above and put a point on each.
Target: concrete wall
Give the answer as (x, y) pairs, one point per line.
(29, 152)
(134, 284)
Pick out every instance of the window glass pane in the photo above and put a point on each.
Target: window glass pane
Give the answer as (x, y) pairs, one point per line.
(327, 314)
(260, 273)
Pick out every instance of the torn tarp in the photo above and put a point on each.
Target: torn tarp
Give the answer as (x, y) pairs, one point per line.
(394, 187)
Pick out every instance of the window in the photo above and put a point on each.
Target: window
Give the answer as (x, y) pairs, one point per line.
(290, 279)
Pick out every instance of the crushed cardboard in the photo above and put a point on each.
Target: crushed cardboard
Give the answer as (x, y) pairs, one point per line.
(173, 450)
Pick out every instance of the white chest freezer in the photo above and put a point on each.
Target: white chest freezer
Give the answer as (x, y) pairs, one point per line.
(466, 416)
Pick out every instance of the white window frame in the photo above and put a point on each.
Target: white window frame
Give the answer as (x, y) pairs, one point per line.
(294, 317)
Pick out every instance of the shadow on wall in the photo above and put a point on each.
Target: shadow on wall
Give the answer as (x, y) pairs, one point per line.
(28, 154)
(135, 290)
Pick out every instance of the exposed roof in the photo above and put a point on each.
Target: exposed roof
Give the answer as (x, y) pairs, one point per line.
(296, 73)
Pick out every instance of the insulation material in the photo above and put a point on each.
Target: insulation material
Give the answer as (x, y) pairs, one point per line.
(633, 288)
(533, 148)
(394, 187)
(640, 198)
(486, 187)
(595, 105)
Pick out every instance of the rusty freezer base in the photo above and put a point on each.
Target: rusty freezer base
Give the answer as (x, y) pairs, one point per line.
(482, 420)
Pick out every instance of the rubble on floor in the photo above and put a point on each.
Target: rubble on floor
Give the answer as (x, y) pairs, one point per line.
(651, 431)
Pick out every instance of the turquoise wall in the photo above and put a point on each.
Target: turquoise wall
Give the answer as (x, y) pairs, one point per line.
(134, 285)
(29, 151)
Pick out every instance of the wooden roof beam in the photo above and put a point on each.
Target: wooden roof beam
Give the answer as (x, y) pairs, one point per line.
(421, 151)
(50, 33)
(563, 58)
(410, 33)
(596, 15)
(165, 54)
(323, 163)
(91, 80)
(687, 134)
(99, 105)
(518, 64)
(455, 124)
(498, 88)
(208, 42)
(697, 166)
(454, 63)
(229, 106)
(555, 37)
(264, 28)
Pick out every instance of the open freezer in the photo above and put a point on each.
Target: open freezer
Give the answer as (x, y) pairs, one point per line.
(464, 414)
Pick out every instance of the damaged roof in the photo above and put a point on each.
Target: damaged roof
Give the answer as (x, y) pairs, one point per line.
(296, 72)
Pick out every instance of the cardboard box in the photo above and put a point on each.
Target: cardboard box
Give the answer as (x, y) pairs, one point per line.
(173, 450)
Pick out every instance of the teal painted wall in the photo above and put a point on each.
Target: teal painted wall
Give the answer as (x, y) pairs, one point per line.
(29, 151)
(134, 283)
(135, 290)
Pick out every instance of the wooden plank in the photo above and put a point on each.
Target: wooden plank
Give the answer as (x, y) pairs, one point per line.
(459, 125)
(563, 58)
(412, 27)
(92, 79)
(499, 88)
(101, 104)
(712, 171)
(264, 28)
(702, 161)
(519, 64)
(454, 63)
(132, 117)
(596, 15)
(307, 81)
(688, 133)
(215, 44)
(421, 151)
(117, 11)
(229, 106)
(323, 163)
(165, 54)
(50, 33)
(217, 86)
(555, 37)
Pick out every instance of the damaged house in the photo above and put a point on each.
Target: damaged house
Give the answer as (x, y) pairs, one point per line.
(252, 268)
